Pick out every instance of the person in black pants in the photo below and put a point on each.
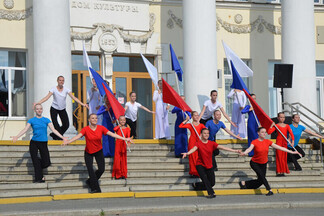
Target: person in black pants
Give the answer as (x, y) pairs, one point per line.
(59, 93)
(38, 142)
(204, 163)
(93, 135)
(259, 161)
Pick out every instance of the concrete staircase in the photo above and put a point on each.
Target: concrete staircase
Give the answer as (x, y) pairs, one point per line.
(151, 167)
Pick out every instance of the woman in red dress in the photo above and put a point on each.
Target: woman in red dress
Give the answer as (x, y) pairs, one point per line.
(281, 157)
(194, 138)
(120, 160)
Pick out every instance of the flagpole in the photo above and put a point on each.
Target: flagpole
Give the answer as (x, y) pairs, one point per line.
(177, 82)
(286, 139)
(123, 136)
(256, 119)
(193, 126)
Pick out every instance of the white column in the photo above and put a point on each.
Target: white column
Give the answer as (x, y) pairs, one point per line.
(298, 48)
(52, 49)
(199, 42)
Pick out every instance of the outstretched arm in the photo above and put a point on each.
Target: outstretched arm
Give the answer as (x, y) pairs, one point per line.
(23, 131)
(232, 134)
(65, 142)
(228, 149)
(248, 150)
(275, 146)
(189, 152)
(146, 109)
(313, 133)
(227, 117)
(202, 112)
(50, 125)
(44, 98)
(109, 133)
(77, 100)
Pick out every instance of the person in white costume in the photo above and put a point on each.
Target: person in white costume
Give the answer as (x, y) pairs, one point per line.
(239, 101)
(162, 130)
(94, 100)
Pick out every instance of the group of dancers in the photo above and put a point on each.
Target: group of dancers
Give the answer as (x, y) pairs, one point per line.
(201, 147)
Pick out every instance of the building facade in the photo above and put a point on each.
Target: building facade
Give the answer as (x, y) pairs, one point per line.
(44, 39)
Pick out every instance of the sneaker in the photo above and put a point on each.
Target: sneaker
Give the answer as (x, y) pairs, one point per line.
(39, 181)
(270, 193)
(95, 191)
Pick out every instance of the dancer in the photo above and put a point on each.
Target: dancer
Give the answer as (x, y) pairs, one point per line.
(194, 128)
(180, 134)
(94, 98)
(38, 142)
(162, 130)
(120, 160)
(239, 101)
(259, 161)
(252, 124)
(214, 126)
(281, 157)
(210, 106)
(93, 134)
(131, 109)
(108, 142)
(59, 93)
(204, 165)
(297, 130)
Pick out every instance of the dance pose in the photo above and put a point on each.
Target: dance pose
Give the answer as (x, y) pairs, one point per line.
(204, 165)
(252, 124)
(239, 101)
(259, 161)
(214, 126)
(281, 157)
(297, 130)
(131, 109)
(59, 93)
(180, 134)
(194, 128)
(93, 134)
(210, 106)
(108, 142)
(38, 142)
(120, 160)
(162, 130)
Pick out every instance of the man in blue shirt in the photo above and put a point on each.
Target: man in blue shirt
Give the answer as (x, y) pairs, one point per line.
(214, 126)
(297, 130)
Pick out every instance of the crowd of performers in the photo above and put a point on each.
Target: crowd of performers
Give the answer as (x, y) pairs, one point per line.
(103, 139)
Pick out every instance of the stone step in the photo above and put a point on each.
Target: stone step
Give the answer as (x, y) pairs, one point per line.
(104, 189)
(25, 193)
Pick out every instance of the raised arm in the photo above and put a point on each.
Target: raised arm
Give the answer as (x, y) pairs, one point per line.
(146, 109)
(22, 132)
(228, 149)
(50, 125)
(227, 117)
(232, 134)
(44, 98)
(65, 142)
(202, 112)
(189, 152)
(313, 133)
(77, 100)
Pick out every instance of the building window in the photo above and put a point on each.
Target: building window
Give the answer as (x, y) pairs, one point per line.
(77, 62)
(130, 64)
(12, 83)
(228, 82)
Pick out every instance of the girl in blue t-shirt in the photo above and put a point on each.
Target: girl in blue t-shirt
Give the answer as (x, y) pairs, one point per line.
(39, 140)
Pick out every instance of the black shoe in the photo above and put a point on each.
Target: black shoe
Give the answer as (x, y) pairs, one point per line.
(39, 181)
(280, 175)
(95, 191)
(298, 169)
(242, 186)
(270, 193)
(211, 196)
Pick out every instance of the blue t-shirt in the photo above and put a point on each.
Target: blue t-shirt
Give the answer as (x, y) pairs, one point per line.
(214, 128)
(297, 131)
(39, 126)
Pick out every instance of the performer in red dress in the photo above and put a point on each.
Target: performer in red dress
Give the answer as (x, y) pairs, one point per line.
(194, 138)
(281, 157)
(120, 159)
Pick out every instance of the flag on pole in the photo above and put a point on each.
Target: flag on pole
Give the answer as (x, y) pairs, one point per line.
(86, 60)
(152, 71)
(100, 82)
(117, 108)
(175, 64)
(237, 80)
(171, 96)
(241, 67)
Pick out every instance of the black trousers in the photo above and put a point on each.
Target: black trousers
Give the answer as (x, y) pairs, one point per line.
(260, 170)
(132, 126)
(215, 152)
(203, 121)
(94, 175)
(293, 158)
(42, 162)
(64, 119)
(208, 179)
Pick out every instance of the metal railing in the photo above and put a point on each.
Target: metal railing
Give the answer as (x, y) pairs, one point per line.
(295, 108)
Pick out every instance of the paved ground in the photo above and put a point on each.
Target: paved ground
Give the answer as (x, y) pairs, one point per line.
(279, 204)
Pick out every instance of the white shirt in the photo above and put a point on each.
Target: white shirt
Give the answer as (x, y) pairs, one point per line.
(59, 98)
(210, 108)
(93, 98)
(131, 112)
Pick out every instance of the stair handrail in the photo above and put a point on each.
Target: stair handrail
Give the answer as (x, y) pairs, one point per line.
(320, 127)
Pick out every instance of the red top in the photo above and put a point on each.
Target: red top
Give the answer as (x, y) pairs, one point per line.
(93, 138)
(193, 134)
(205, 153)
(261, 149)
